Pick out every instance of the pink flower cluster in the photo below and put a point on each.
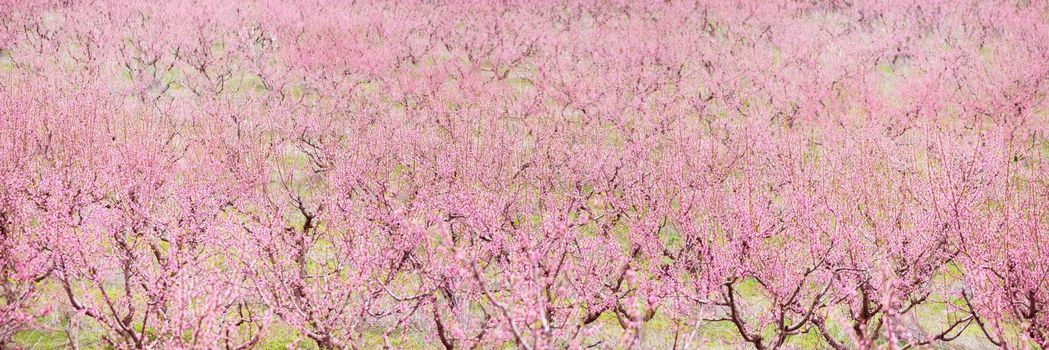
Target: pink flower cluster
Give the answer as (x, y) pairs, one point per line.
(532, 174)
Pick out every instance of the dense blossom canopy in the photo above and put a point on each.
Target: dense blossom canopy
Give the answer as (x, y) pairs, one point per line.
(540, 175)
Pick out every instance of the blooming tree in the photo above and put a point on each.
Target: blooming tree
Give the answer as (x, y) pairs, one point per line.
(617, 174)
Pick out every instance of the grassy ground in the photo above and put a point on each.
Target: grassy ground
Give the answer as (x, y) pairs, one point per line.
(658, 333)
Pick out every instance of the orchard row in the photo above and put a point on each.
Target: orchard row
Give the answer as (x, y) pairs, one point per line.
(466, 175)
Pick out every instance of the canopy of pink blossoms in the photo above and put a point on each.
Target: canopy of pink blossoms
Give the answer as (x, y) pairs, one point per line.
(215, 174)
